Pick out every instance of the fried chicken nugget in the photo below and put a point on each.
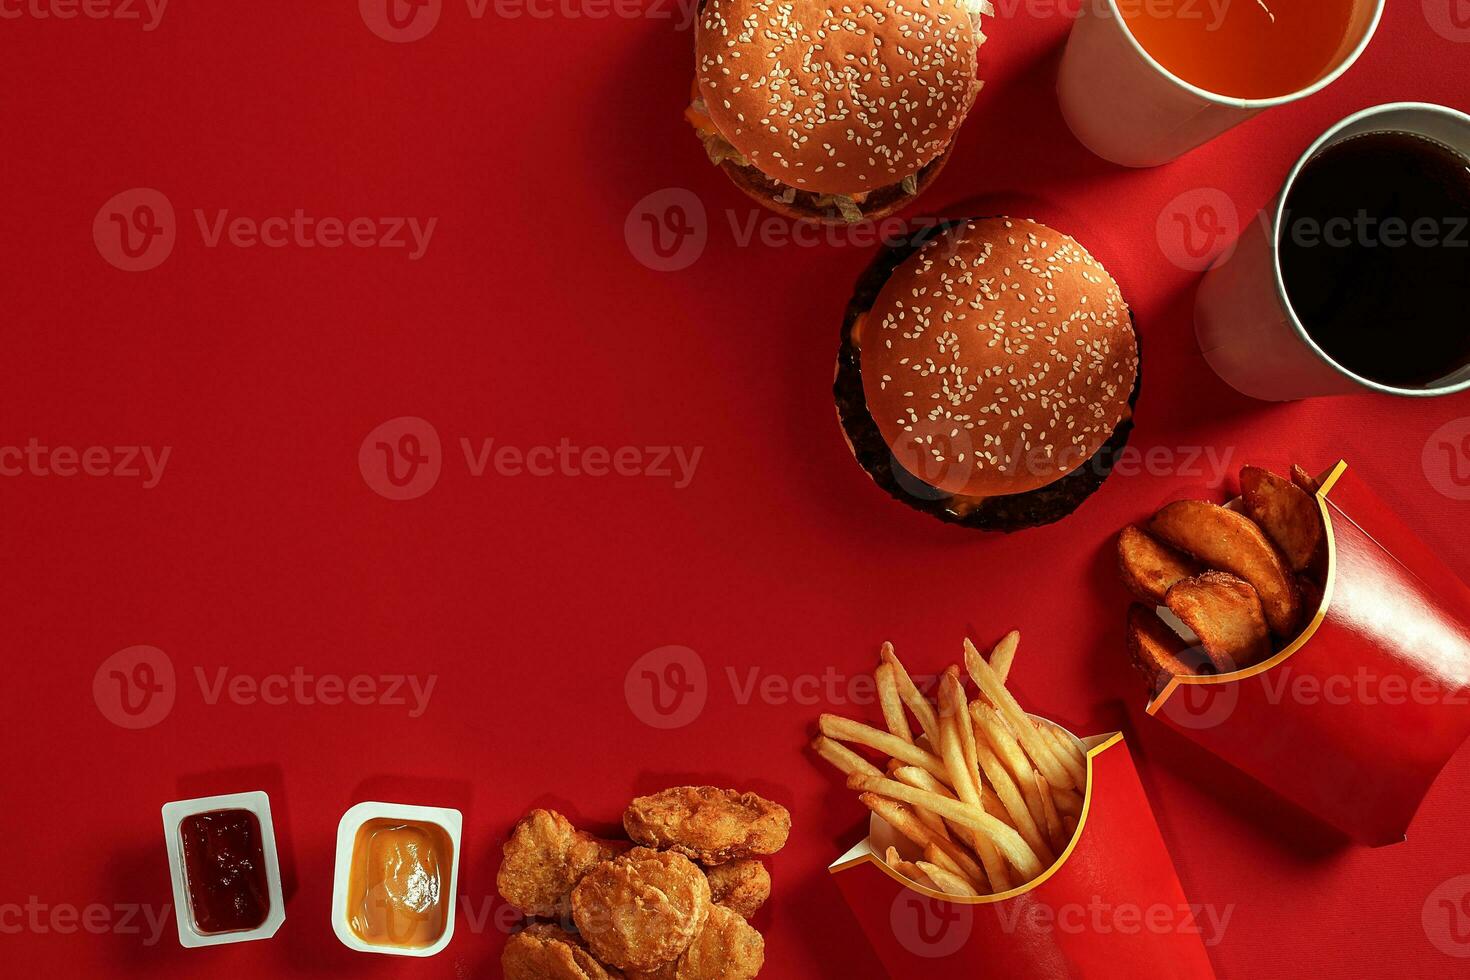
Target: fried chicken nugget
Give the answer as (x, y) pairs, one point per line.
(741, 886)
(544, 859)
(642, 910)
(709, 824)
(728, 948)
(547, 952)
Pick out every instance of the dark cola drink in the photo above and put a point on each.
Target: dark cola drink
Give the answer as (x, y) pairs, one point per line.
(1375, 255)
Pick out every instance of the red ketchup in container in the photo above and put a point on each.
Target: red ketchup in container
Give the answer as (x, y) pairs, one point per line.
(224, 866)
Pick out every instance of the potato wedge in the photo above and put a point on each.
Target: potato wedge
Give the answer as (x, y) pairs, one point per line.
(1227, 615)
(1286, 512)
(1158, 652)
(1148, 566)
(1233, 543)
(1305, 480)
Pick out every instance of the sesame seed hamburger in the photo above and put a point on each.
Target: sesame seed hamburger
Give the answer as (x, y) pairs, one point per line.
(832, 111)
(987, 373)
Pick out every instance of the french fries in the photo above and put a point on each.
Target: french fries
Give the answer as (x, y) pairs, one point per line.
(1243, 577)
(903, 820)
(947, 881)
(912, 697)
(845, 730)
(1015, 805)
(1002, 835)
(1072, 757)
(1004, 655)
(1008, 750)
(957, 749)
(1038, 748)
(843, 758)
(920, 779)
(937, 857)
(985, 795)
(892, 704)
(1052, 817)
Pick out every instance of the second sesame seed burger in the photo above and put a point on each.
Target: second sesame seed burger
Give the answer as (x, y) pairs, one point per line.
(987, 373)
(833, 111)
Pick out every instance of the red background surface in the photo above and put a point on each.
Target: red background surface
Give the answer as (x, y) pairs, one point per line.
(528, 320)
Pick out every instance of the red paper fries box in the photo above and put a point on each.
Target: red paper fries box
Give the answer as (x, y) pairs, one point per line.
(1354, 720)
(1111, 906)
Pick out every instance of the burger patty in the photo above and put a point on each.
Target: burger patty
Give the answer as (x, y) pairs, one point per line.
(880, 202)
(1011, 512)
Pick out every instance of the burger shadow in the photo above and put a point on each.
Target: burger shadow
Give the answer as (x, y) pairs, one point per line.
(650, 145)
(1025, 101)
(1198, 399)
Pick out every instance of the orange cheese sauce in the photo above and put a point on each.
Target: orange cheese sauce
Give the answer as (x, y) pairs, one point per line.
(398, 888)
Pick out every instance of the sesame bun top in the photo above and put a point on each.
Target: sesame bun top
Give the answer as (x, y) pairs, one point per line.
(998, 358)
(838, 97)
